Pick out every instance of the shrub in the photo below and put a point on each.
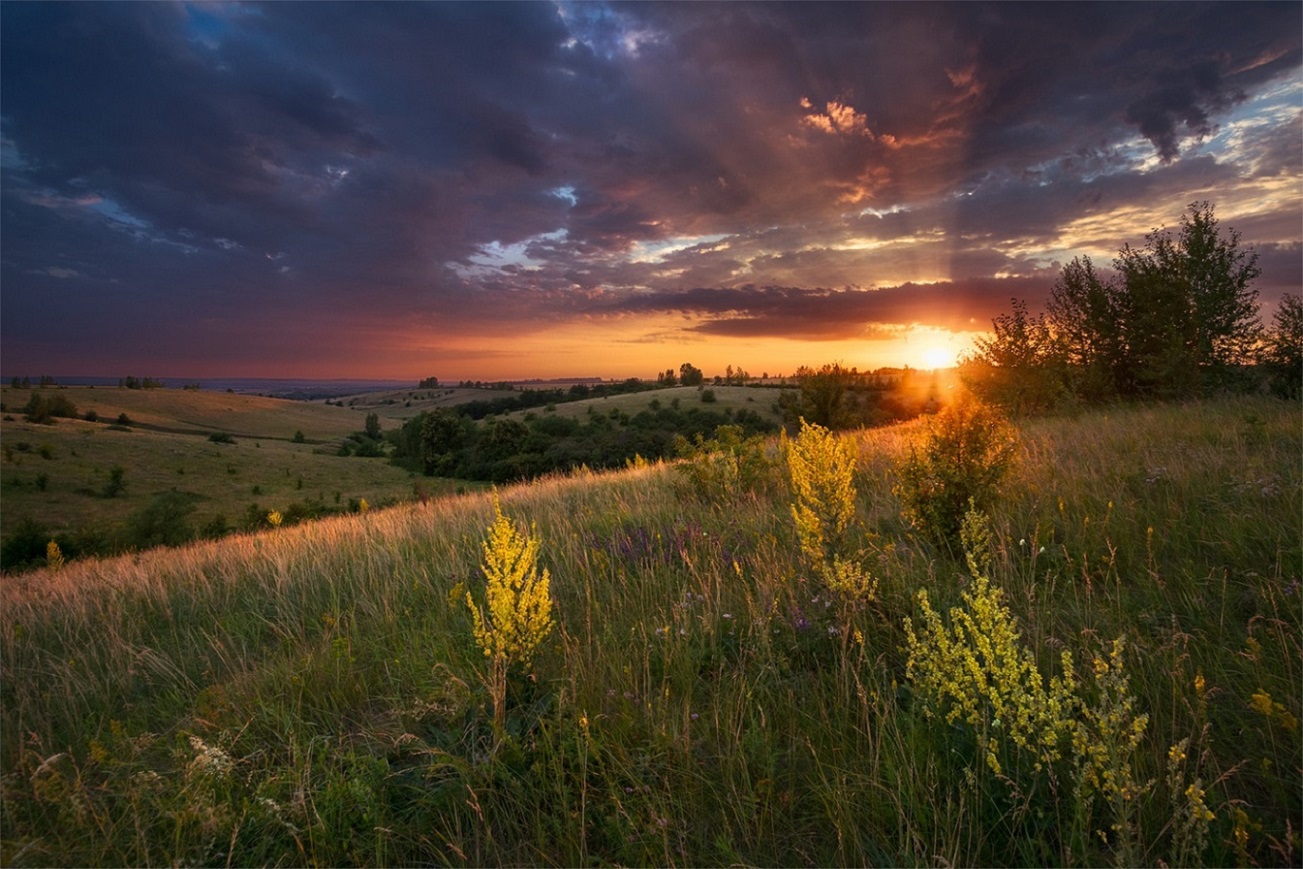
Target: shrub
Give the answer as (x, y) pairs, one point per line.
(221, 437)
(161, 522)
(724, 466)
(42, 409)
(26, 545)
(964, 453)
(116, 483)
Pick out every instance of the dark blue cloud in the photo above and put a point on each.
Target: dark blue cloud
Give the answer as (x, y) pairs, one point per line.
(167, 164)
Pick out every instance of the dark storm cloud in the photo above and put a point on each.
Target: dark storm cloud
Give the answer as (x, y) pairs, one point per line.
(465, 165)
(826, 314)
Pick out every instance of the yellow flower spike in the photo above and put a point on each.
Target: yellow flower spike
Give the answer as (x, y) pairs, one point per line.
(1261, 702)
(53, 556)
(518, 613)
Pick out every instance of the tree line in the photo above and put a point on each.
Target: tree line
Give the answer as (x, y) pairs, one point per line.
(1176, 318)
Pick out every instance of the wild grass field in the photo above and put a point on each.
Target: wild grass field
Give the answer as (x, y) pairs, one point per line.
(56, 474)
(719, 398)
(315, 694)
(401, 404)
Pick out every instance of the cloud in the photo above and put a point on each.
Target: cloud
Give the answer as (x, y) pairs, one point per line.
(379, 151)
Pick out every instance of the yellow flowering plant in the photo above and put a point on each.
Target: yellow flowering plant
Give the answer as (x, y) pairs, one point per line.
(517, 616)
(821, 467)
(1106, 738)
(53, 556)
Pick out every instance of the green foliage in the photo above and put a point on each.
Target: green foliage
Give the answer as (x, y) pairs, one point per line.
(976, 671)
(1179, 318)
(1017, 367)
(825, 397)
(161, 522)
(116, 484)
(821, 466)
(43, 408)
(25, 545)
(1282, 348)
(725, 467)
(221, 437)
(964, 453)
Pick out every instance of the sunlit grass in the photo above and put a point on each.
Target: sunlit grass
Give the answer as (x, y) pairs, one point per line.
(312, 694)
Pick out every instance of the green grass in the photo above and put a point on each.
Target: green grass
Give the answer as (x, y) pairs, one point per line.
(313, 695)
(727, 399)
(56, 474)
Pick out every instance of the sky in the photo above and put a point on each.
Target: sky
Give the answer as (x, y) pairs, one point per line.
(511, 190)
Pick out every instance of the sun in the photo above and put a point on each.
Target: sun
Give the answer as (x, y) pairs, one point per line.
(937, 356)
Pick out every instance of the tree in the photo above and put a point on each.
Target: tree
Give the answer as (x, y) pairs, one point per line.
(1017, 366)
(1180, 316)
(690, 375)
(373, 426)
(1085, 328)
(1282, 348)
(824, 398)
(443, 434)
(1188, 309)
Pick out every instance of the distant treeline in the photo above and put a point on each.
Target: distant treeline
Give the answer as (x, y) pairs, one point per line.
(452, 442)
(472, 441)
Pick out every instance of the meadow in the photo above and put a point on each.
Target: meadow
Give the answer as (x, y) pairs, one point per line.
(268, 454)
(314, 695)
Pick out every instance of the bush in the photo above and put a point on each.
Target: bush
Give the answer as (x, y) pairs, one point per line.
(161, 522)
(116, 483)
(25, 547)
(221, 437)
(726, 465)
(965, 452)
(42, 408)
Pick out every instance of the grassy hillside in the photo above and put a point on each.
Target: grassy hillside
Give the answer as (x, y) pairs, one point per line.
(200, 411)
(400, 404)
(57, 474)
(721, 399)
(314, 695)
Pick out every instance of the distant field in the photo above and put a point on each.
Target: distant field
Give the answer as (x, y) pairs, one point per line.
(201, 411)
(167, 448)
(402, 404)
(735, 398)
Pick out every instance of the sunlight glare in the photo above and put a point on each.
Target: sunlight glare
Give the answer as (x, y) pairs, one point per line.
(938, 357)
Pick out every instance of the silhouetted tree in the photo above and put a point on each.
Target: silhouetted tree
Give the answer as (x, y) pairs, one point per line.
(1188, 309)
(1282, 348)
(824, 398)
